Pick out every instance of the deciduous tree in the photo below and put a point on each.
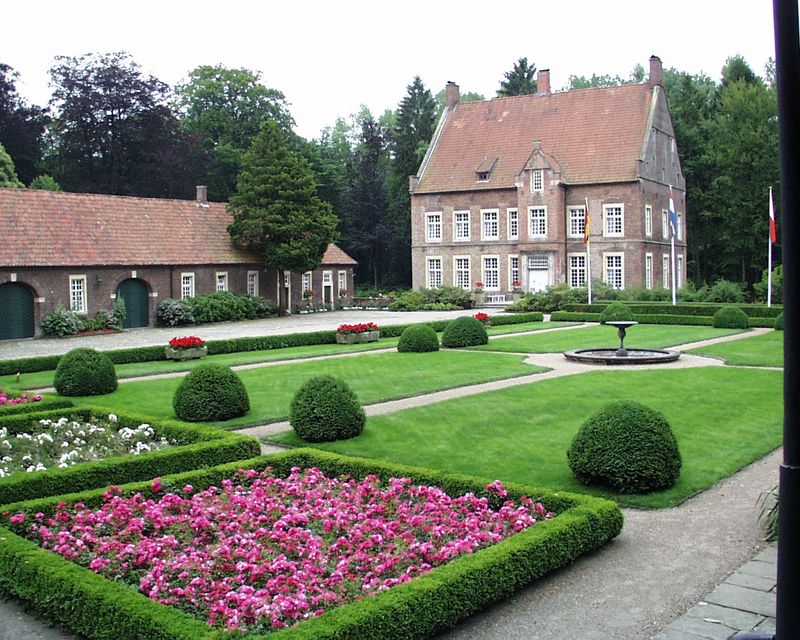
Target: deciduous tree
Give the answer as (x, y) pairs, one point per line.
(8, 174)
(277, 213)
(22, 127)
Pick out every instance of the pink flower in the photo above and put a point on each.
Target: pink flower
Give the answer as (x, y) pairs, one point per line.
(155, 485)
(17, 518)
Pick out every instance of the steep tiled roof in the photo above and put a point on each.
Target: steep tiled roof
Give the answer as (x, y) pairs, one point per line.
(43, 228)
(596, 135)
(335, 255)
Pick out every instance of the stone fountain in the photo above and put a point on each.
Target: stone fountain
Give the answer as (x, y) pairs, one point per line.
(622, 355)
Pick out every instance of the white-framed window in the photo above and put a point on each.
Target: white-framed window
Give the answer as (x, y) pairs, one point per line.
(679, 228)
(537, 180)
(514, 280)
(613, 220)
(577, 221)
(77, 294)
(252, 283)
(462, 276)
(577, 269)
(648, 220)
(433, 227)
(537, 222)
(222, 281)
(187, 285)
(306, 282)
(513, 224)
(664, 223)
(461, 226)
(434, 272)
(665, 271)
(614, 270)
(648, 270)
(490, 272)
(678, 270)
(490, 224)
(342, 283)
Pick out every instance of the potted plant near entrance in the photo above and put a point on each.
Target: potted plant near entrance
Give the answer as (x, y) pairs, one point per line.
(357, 333)
(186, 348)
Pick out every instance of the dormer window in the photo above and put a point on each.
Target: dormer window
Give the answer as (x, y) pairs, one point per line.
(484, 170)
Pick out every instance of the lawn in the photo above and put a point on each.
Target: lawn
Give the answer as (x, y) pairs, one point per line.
(646, 336)
(375, 377)
(723, 419)
(40, 379)
(765, 350)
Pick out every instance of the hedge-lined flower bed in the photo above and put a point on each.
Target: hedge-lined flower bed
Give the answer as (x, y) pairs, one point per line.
(193, 446)
(706, 321)
(410, 608)
(13, 399)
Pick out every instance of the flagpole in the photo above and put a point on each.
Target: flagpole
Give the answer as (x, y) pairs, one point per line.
(769, 252)
(674, 292)
(589, 272)
(588, 252)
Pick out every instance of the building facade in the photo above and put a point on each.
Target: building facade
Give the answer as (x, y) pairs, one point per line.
(83, 250)
(500, 199)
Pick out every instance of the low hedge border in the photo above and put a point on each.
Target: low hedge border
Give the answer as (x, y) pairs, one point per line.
(704, 321)
(89, 604)
(235, 345)
(680, 309)
(198, 446)
(34, 407)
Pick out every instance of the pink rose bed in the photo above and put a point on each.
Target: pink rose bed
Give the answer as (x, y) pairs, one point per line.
(262, 553)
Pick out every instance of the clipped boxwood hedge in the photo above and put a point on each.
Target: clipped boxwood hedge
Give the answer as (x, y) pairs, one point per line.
(198, 446)
(680, 309)
(705, 321)
(236, 345)
(33, 407)
(428, 604)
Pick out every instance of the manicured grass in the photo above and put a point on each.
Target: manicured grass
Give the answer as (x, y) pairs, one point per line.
(759, 351)
(376, 377)
(40, 379)
(646, 336)
(723, 419)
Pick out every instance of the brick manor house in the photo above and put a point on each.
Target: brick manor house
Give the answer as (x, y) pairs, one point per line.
(83, 250)
(500, 195)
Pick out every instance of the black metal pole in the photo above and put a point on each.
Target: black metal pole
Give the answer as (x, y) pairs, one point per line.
(787, 76)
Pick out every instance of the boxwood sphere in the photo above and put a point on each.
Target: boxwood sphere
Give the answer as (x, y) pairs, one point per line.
(731, 318)
(464, 331)
(326, 409)
(85, 372)
(210, 392)
(627, 447)
(418, 338)
(615, 311)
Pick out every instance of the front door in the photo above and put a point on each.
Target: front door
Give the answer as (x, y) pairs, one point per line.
(538, 273)
(327, 287)
(16, 311)
(137, 303)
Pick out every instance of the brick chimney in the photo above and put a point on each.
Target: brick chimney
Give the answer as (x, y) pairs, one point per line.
(656, 72)
(543, 82)
(202, 195)
(452, 95)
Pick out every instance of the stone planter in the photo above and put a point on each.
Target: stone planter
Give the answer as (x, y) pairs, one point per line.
(357, 338)
(185, 354)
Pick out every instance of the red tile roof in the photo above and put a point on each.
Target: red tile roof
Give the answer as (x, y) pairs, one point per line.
(45, 228)
(335, 255)
(596, 135)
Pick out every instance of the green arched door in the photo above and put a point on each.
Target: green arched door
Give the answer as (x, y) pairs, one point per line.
(137, 310)
(16, 311)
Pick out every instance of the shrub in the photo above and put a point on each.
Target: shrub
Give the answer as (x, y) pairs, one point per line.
(85, 372)
(627, 447)
(551, 299)
(465, 331)
(408, 301)
(730, 318)
(326, 409)
(61, 322)
(725, 291)
(441, 298)
(761, 288)
(418, 338)
(172, 313)
(210, 392)
(615, 311)
(223, 306)
(779, 322)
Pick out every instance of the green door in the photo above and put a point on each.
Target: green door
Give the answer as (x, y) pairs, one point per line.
(137, 309)
(16, 311)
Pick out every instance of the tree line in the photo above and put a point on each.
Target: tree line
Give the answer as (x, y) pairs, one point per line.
(110, 128)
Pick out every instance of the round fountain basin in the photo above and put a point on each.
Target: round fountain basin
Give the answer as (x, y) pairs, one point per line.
(611, 356)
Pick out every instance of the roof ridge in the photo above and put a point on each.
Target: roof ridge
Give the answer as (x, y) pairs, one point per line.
(86, 194)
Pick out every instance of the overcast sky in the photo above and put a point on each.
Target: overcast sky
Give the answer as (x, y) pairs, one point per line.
(328, 58)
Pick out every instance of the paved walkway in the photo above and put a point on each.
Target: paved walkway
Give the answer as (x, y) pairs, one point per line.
(662, 564)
